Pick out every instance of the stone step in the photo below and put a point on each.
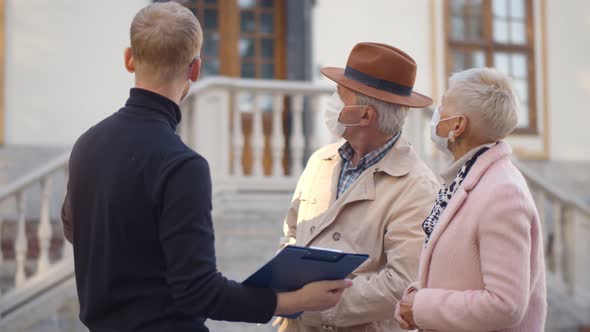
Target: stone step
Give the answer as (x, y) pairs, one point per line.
(216, 326)
(254, 202)
(244, 228)
(237, 219)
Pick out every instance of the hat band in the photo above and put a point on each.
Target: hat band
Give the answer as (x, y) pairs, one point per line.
(377, 83)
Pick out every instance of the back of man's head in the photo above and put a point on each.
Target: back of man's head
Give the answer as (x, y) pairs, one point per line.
(165, 38)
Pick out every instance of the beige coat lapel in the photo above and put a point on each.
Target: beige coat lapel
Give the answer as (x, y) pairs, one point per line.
(327, 177)
(500, 150)
(395, 163)
(445, 219)
(362, 189)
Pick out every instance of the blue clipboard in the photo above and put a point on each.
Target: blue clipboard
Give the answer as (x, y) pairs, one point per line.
(294, 267)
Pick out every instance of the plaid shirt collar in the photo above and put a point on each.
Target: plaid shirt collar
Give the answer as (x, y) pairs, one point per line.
(350, 173)
(346, 152)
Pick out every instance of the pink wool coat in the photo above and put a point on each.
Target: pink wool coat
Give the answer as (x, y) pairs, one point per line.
(483, 268)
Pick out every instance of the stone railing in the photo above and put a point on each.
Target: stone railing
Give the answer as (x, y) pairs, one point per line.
(566, 230)
(16, 194)
(28, 273)
(255, 133)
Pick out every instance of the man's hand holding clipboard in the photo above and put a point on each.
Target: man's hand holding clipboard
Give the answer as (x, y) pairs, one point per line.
(314, 272)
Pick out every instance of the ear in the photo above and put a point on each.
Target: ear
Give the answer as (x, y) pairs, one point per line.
(460, 125)
(195, 70)
(129, 63)
(369, 116)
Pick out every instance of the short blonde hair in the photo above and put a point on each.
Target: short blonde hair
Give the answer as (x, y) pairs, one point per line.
(165, 38)
(488, 94)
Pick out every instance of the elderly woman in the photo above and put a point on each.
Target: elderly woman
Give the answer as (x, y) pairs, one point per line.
(482, 266)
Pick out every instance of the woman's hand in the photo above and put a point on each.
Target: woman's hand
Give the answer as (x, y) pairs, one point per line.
(403, 312)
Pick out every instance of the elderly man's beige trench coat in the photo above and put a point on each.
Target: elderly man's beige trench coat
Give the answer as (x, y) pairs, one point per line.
(380, 214)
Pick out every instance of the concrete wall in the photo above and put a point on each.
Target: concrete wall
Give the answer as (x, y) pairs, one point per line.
(401, 23)
(408, 24)
(64, 66)
(568, 27)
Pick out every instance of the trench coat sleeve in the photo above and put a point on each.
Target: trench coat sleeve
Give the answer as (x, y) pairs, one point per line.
(373, 297)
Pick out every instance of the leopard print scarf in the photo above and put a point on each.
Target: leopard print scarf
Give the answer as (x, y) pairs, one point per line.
(446, 193)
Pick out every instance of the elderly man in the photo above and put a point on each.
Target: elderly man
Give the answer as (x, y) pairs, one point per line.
(368, 195)
(138, 208)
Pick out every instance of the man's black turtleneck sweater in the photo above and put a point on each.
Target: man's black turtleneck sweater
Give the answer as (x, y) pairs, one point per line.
(139, 203)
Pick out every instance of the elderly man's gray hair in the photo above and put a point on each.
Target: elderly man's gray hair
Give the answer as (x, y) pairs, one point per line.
(391, 116)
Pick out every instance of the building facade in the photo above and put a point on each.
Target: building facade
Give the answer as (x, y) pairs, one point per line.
(64, 69)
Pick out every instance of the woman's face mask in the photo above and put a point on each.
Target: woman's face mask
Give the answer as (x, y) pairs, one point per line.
(332, 116)
(441, 143)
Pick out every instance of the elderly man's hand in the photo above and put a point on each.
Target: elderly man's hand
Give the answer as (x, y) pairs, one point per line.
(403, 312)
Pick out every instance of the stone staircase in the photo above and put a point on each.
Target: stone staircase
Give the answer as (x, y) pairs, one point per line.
(247, 236)
(54, 311)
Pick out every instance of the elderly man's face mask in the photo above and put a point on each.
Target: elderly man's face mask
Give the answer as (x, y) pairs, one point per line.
(339, 116)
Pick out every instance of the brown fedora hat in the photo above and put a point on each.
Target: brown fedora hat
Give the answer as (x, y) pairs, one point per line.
(382, 72)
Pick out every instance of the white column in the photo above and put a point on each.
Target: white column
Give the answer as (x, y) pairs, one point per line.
(298, 141)
(1, 253)
(237, 136)
(316, 125)
(44, 231)
(186, 128)
(67, 249)
(257, 139)
(20, 247)
(278, 138)
(322, 134)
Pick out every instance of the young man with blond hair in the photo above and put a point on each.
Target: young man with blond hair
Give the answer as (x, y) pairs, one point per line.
(138, 208)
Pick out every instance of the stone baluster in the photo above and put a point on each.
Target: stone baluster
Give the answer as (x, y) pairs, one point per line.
(20, 246)
(44, 231)
(67, 249)
(257, 139)
(237, 136)
(316, 124)
(558, 245)
(278, 138)
(297, 138)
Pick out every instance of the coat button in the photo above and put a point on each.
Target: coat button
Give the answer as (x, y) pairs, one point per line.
(336, 236)
(312, 229)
